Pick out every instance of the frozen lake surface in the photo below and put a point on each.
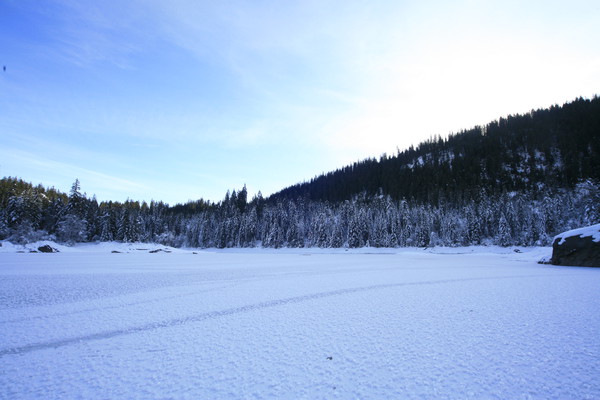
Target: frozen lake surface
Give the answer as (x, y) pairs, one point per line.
(474, 323)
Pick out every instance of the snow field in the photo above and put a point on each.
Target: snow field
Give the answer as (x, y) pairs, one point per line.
(297, 324)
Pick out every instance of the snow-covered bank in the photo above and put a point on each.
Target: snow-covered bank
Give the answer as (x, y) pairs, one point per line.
(297, 323)
(109, 247)
(101, 247)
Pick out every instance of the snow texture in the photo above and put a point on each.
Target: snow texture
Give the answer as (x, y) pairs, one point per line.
(471, 323)
(593, 231)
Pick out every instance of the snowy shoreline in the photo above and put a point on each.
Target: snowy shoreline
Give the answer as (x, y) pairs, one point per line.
(137, 248)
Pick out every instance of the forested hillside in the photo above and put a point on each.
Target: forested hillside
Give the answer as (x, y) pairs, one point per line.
(544, 149)
(517, 181)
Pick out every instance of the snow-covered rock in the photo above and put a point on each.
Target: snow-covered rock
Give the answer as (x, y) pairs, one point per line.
(578, 247)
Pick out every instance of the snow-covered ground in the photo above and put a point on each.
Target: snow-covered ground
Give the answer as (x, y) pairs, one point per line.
(474, 323)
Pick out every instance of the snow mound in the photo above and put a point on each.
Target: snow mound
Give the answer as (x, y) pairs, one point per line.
(593, 231)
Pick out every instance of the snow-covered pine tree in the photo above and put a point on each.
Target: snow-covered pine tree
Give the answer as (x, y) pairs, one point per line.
(504, 237)
(106, 229)
(72, 229)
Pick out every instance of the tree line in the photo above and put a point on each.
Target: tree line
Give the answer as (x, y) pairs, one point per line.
(31, 213)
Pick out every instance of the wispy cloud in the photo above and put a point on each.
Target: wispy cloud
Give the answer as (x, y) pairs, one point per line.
(85, 33)
(199, 86)
(16, 162)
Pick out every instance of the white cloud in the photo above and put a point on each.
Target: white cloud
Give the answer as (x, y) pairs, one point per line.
(51, 172)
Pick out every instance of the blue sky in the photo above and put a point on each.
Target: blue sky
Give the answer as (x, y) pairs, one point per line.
(177, 100)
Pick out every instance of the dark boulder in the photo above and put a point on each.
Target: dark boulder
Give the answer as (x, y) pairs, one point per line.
(579, 247)
(160, 250)
(47, 249)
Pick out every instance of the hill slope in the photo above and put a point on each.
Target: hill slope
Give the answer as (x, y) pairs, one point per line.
(548, 148)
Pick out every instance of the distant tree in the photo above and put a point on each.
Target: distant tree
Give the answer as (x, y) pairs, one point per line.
(473, 232)
(77, 201)
(72, 229)
(504, 237)
(590, 191)
(106, 229)
(242, 199)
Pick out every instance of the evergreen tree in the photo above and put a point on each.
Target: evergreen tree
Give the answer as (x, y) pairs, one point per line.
(106, 230)
(504, 237)
(72, 229)
(77, 201)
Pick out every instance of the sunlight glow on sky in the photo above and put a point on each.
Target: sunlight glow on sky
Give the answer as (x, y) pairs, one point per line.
(181, 99)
